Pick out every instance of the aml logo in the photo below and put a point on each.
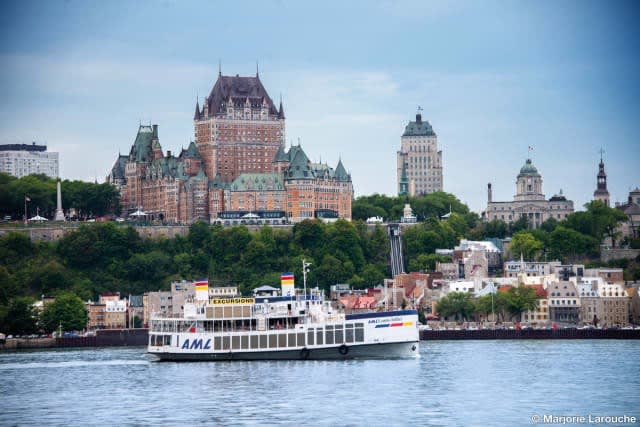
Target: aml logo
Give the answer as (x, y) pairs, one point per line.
(196, 344)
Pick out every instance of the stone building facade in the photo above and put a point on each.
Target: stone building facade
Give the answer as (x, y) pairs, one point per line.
(237, 167)
(419, 162)
(529, 201)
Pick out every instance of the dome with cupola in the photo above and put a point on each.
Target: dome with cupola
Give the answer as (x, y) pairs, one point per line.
(529, 169)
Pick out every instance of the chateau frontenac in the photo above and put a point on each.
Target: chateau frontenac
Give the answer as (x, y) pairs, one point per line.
(237, 169)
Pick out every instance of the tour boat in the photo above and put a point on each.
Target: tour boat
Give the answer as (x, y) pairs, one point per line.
(269, 327)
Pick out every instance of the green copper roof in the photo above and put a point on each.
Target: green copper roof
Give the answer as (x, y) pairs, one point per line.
(300, 167)
(281, 155)
(191, 151)
(529, 169)
(141, 149)
(258, 182)
(341, 173)
(419, 128)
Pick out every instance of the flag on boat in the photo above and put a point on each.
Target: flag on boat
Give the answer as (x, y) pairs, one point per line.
(287, 284)
(202, 289)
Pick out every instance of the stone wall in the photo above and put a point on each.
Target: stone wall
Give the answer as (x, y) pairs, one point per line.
(611, 254)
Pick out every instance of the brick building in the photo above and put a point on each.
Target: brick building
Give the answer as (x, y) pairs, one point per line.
(237, 167)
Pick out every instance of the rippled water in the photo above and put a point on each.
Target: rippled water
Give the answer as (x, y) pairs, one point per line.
(453, 383)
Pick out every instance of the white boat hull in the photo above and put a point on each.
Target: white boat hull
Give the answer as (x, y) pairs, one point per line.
(368, 351)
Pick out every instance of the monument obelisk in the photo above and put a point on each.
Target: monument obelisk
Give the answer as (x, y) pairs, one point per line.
(59, 213)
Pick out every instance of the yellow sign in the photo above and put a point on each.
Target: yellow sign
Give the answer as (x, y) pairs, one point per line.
(235, 301)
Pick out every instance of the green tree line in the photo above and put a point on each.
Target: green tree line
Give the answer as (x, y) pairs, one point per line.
(88, 199)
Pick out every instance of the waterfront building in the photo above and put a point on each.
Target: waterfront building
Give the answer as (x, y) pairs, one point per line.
(110, 312)
(541, 314)
(23, 159)
(236, 171)
(601, 193)
(529, 201)
(419, 161)
(564, 302)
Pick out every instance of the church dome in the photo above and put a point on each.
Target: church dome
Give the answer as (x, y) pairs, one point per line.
(529, 169)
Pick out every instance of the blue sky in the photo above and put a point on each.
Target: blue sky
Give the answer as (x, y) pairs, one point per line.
(492, 77)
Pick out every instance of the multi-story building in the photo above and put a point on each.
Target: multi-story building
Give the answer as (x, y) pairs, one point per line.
(541, 314)
(419, 162)
(529, 201)
(23, 159)
(110, 312)
(238, 166)
(564, 302)
(630, 229)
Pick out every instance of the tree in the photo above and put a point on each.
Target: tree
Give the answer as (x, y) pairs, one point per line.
(525, 244)
(457, 305)
(67, 310)
(570, 245)
(519, 299)
(19, 317)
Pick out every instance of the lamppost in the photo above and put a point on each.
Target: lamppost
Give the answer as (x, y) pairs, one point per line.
(305, 270)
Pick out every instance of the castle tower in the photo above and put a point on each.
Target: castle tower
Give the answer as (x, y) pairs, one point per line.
(601, 192)
(238, 129)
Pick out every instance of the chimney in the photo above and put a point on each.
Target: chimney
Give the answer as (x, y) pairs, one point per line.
(418, 118)
(489, 196)
(155, 131)
(168, 153)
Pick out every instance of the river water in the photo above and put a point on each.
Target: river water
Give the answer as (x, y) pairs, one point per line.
(453, 383)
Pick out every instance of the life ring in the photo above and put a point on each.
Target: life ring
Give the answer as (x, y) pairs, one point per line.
(343, 349)
(304, 353)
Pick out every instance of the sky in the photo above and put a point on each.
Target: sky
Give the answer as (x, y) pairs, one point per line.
(492, 78)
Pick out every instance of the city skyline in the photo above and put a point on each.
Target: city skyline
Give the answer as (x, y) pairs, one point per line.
(492, 80)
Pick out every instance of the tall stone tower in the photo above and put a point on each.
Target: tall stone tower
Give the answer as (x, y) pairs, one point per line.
(419, 161)
(238, 129)
(529, 183)
(601, 192)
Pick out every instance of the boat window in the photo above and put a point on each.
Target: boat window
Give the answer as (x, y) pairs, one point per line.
(349, 326)
(273, 340)
(235, 342)
(217, 312)
(217, 343)
(329, 327)
(282, 340)
(263, 341)
(292, 340)
(348, 335)
(339, 336)
(359, 325)
(339, 327)
(167, 340)
(226, 343)
(328, 337)
(310, 337)
(244, 341)
(359, 334)
(319, 337)
(301, 339)
(254, 341)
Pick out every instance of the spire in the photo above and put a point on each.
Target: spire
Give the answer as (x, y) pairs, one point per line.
(281, 109)
(341, 173)
(219, 68)
(257, 70)
(196, 116)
